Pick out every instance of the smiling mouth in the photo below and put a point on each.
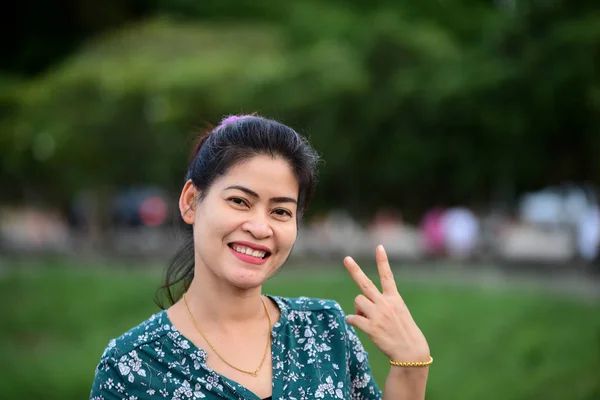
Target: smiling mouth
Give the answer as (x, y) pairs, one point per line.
(249, 251)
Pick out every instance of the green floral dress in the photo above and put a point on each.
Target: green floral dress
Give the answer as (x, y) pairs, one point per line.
(315, 354)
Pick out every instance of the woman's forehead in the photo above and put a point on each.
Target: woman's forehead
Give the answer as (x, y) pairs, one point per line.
(265, 174)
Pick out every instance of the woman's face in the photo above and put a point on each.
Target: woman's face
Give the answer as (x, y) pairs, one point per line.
(245, 227)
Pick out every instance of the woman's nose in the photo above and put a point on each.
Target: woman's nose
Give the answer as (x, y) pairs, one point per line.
(258, 229)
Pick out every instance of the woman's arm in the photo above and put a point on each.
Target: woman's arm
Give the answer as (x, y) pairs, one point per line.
(406, 383)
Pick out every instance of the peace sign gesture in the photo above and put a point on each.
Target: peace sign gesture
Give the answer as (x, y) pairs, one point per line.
(383, 316)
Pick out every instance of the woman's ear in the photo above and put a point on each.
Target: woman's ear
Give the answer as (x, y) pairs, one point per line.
(188, 201)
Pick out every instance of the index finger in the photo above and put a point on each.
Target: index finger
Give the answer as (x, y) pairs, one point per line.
(362, 280)
(386, 276)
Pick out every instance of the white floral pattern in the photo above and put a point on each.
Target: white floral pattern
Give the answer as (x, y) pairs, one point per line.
(316, 355)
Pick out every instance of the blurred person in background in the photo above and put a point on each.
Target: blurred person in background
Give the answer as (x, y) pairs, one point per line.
(461, 230)
(588, 233)
(246, 190)
(432, 232)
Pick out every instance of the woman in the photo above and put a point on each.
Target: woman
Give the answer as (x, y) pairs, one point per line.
(246, 190)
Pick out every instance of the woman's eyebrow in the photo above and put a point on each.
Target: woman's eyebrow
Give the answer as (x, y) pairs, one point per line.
(252, 193)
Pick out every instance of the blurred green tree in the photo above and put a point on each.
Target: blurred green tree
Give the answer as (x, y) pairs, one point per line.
(411, 104)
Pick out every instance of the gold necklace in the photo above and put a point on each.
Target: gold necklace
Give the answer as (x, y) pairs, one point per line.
(253, 373)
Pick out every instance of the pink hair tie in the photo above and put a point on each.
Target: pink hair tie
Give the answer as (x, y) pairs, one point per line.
(231, 119)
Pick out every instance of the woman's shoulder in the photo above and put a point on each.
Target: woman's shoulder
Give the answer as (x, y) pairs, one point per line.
(149, 331)
(304, 303)
(129, 365)
(292, 306)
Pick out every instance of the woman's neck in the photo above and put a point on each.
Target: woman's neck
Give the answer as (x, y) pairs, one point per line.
(215, 301)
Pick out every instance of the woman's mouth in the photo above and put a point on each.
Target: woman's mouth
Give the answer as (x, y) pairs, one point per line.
(249, 254)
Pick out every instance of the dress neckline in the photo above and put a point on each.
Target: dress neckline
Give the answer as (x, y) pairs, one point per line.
(181, 341)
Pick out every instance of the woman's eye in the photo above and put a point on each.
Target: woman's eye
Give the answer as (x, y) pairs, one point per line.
(282, 212)
(238, 201)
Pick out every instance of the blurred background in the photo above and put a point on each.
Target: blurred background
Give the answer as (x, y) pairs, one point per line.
(463, 135)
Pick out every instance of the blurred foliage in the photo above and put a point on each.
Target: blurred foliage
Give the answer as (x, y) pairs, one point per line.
(410, 104)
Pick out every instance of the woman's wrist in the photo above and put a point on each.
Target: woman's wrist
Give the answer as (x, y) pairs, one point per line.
(414, 364)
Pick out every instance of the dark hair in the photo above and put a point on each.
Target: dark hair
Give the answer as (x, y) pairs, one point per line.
(234, 140)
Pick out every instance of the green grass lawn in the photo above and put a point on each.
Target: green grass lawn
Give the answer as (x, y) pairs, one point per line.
(499, 344)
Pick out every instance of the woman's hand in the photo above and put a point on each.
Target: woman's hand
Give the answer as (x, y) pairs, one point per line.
(383, 316)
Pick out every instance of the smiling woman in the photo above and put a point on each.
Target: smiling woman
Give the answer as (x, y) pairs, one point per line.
(246, 190)
(246, 219)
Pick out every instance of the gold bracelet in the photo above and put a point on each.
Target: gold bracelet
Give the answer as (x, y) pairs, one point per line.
(412, 364)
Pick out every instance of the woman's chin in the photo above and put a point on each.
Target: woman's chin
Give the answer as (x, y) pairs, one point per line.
(247, 280)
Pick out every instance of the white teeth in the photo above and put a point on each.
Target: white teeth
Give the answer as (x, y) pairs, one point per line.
(249, 251)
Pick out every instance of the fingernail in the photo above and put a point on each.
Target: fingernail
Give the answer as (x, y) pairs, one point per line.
(348, 318)
(380, 248)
